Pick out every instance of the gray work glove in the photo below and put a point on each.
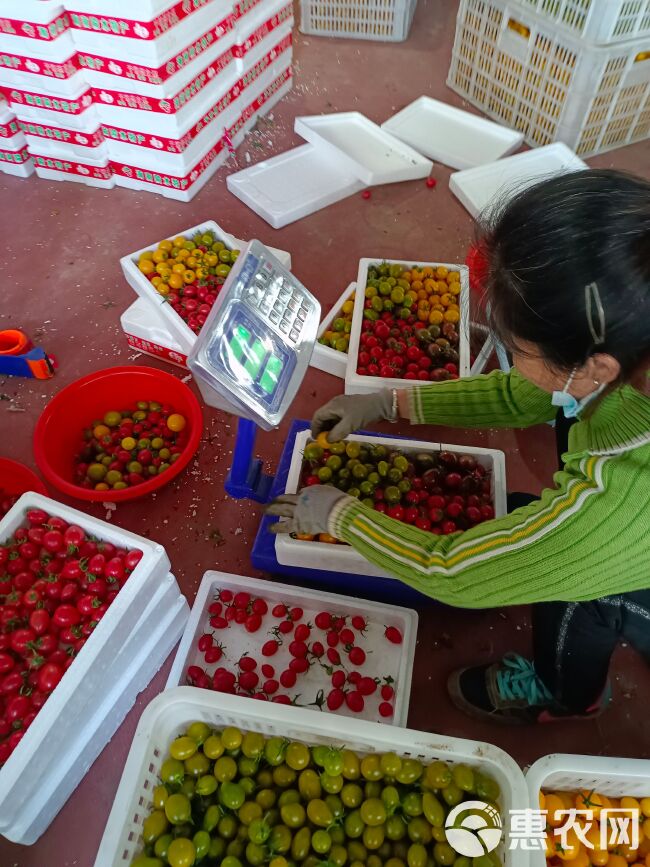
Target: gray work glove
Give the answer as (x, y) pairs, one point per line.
(350, 412)
(308, 512)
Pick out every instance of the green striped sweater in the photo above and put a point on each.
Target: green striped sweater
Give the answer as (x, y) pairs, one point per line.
(585, 538)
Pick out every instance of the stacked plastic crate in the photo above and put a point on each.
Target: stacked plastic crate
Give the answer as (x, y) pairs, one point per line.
(574, 71)
(41, 79)
(170, 87)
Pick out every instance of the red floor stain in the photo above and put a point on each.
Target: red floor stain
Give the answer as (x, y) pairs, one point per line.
(62, 284)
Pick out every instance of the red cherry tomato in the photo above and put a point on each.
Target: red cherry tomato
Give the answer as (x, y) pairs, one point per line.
(49, 676)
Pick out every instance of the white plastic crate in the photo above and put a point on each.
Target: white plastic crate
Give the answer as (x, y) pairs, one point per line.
(600, 21)
(356, 384)
(77, 693)
(140, 657)
(549, 85)
(177, 328)
(327, 557)
(384, 659)
(324, 357)
(169, 714)
(378, 20)
(609, 776)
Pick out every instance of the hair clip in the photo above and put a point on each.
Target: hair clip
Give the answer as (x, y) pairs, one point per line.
(592, 297)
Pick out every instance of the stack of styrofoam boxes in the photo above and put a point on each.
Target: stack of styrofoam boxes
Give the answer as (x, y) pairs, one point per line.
(40, 76)
(170, 87)
(566, 71)
(14, 158)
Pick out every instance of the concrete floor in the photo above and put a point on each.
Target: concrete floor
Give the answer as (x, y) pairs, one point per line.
(62, 284)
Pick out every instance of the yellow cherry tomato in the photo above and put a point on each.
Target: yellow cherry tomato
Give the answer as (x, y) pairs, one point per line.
(176, 422)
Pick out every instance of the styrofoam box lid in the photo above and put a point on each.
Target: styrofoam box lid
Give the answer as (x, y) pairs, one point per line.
(370, 153)
(450, 135)
(481, 186)
(42, 11)
(294, 184)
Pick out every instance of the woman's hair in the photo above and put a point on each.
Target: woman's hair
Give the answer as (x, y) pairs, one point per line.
(545, 246)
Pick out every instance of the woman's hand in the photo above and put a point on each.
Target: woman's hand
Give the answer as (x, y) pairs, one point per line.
(350, 412)
(307, 512)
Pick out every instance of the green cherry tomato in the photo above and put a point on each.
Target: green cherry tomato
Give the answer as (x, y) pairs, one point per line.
(443, 854)
(374, 861)
(249, 811)
(331, 785)
(309, 785)
(336, 806)
(338, 856)
(236, 848)
(217, 848)
(181, 853)
(248, 786)
(188, 787)
(410, 772)
(357, 851)
(463, 776)
(255, 854)
(297, 756)
(293, 815)
(231, 795)
(230, 861)
(354, 825)
(264, 778)
(486, 788)
(390, 764)
(284, 776)
(227, 827)
(390, 797)
(452, 795)
(280, 840)
(213, 747)
(247, 767)
(198, 731)
(197, 765)
(259, 831)
(352, 795)
(432, 809)
(159, 796)
(437, 775)
(289, 796)
(337, 834)
(321, 842)
(274, 751)
(145, 861)
(231, 738)
(154, 826)
(201, 842)
(300, 845)
(371, 768)
(394, 862)
(265, 798)
(178, 809)
(412, 804)
(395, 828)
(372, 790)
(211, 818)
(319, 813)
(225, 769)
(172, 772)
(373, 838)
(182, 748)
(417, 855)
(373, 812)
(462, 861)
(419, 831)
(161, 846)
(252, 745)
(334, 762)
(206, 786)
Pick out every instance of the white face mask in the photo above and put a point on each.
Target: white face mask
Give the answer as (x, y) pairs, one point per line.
(571, 406)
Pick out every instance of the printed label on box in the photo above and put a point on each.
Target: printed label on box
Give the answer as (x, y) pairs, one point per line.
(18, 63)
(137, 29)
(153, 75)
(7, 130)
(268, 27)
(156, 349)
(18, 157)
(45, 32)
(63, 136)
(243, 7)
(101, 173)
(50, 103)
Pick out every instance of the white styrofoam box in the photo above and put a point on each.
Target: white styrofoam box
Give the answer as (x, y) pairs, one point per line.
(147, 9)
(61, 141)
(178, 330)
(147, 42)
(91, 172)
(450, 135)
(370, 153)
(293, 184)
(327, 557)
(146, 332)
(38, 11)
(185, 67)
(76, 111)
(356, 384)
(552, 86)
(85, 680)
(137, 662)
(11, 135)
(383, 21)
(260, 94)
(485, 186)
(612, 777)
(171, 713)
(600, 21)
(41, 75)
(261, 29)
(24, 168)
(384, 659)
(324, 357)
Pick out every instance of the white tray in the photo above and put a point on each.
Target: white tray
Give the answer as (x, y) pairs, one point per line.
(450, 135)
(343, 558)
(134, 666)
(609, 776)
(357, 384)
(169, 714)
(384, 659)
(324, 357)
(294, 184)
(68, 706)
(371, 154)
(483, 186)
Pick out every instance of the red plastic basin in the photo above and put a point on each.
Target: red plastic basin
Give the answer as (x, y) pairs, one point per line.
(72, 410)
(16, 478)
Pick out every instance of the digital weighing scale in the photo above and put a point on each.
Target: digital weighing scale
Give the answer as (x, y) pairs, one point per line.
(249, 359)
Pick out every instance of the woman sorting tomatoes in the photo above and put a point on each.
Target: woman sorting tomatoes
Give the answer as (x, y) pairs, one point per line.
(568, 286)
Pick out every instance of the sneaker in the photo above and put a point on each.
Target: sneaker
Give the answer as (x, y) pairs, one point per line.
(510, 692)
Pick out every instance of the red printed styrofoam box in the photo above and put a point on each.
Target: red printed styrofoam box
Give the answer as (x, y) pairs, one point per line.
(260, 30)
(92, 173)
(146, 332)
(44, 76)
(76, 111)
(11, 135)
(17, 163)
(266, 92)
(60, 141)
(170, 75)
(38, 27)
(110, 32)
